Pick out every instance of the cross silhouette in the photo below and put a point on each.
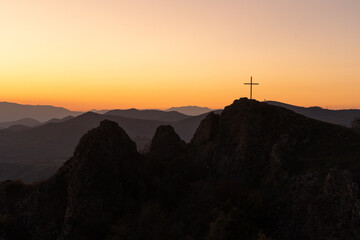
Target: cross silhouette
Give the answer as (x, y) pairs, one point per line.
(251, 84)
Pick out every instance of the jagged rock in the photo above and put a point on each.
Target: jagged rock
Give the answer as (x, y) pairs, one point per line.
(166, 143)
(82, 197)
(101, 168)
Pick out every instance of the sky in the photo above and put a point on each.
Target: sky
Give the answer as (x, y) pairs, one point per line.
(105, 54)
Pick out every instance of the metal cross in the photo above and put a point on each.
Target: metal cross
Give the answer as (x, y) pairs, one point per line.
(251, 84)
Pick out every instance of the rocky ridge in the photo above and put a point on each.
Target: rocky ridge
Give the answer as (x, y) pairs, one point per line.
(254, 172)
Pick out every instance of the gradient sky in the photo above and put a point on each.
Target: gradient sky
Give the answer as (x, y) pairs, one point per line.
(84, 54)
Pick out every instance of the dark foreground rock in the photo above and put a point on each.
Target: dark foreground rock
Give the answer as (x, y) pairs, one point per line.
(254, 172)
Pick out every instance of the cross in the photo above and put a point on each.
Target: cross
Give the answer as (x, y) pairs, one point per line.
(251, 84)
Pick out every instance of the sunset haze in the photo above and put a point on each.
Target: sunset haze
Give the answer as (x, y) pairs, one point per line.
(85, 54)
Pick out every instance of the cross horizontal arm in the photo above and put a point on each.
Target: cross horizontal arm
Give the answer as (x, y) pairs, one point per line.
(251, 84)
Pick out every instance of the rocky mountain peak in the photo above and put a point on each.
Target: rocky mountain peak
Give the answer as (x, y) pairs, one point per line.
(166, 143)
(102, 166)
(251, 138)
(105, 139)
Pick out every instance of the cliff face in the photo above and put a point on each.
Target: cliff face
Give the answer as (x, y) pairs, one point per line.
(253, 169)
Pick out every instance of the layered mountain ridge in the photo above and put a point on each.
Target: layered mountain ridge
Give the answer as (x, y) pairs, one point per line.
(342, 117)
(10, 112)
(32, 154)
(253, 172)
(157, 115)
(190, 110)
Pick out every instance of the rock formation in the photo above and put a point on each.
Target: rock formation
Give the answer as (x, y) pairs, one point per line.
(256, 171)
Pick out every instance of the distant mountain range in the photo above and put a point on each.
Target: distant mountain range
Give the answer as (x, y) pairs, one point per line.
(58, 120)
(31, 115)
(99, 111)
(13, 112)
(190, 110)
(28, 122)
(35, 153)
(158, 115)
(340, 117)
(10, 112)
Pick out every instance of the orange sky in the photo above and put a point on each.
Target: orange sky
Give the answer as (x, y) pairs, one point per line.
(84, 54)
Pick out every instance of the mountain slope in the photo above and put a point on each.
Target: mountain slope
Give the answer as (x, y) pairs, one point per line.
(10, 112)
(156, 115)
(340, 117)
(252, 172)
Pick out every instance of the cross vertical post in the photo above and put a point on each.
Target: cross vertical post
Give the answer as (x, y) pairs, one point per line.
(251, 84)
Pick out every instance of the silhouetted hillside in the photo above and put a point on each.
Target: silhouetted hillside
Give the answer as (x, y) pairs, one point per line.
(29, 122)
(253, 172)
(341, 117)
(149, 115)
(190, 110)
(10, 112)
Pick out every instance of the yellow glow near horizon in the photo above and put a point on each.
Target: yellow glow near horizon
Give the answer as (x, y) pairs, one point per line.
(104, 54)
